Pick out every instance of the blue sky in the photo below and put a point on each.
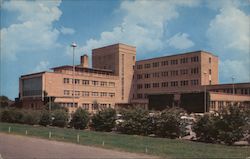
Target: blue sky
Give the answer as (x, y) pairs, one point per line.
(35, 35)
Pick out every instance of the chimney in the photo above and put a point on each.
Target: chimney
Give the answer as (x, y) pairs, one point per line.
(84, 61)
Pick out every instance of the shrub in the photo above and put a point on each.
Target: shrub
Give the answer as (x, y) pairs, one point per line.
(136, 121)
(230, 125)
(168, 123)
(30, 117)
(205, 129)
(80, 119)
(104, 120)
(11, 116)
(226, 126)
(45, 118)
(60, 118)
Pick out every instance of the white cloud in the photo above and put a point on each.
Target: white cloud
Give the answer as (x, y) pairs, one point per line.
(237, 68)
(143, 25)
(180, 41)
(34, 27)
(230, 30)
(43, 65)
(66, 31)
(229, 36)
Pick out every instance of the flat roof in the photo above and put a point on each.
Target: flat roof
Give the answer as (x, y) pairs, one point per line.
(33, 74)
(191, 52)
(226, 84)
(114, 45)
(83, 68)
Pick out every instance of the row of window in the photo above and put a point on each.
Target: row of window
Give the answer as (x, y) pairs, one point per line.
(87, 94)
(88, 82)
(87, 106)
(168, 73)
(167, 84)
(171, 62)
(242, 91)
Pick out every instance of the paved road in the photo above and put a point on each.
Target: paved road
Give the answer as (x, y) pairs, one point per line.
(21, 147)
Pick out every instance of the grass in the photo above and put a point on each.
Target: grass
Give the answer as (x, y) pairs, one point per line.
(171, 148)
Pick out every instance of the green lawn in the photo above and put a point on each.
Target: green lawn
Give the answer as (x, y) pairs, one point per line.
(155, 146)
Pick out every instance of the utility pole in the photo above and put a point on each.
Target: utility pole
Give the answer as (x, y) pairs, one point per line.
(205, 93)
(233, 78)
(73, 45)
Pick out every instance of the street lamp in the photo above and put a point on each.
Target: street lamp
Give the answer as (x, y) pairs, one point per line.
(233, 78)
(205, 93)
(73, 45)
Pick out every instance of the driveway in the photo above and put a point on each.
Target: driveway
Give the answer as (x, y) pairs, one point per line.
(22, 147)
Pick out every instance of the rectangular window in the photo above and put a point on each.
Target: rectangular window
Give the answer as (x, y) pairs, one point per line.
(139, 86)
(139, 76)
(147, 65)
(85, 82)
(164, 63)
(104, 84)
(156, 85)
(156, 74)
(95, 94)
(164, 84)
(85, 93)
(95, 83)
(66, 80)
(164, 74)
(155, 64)
(147, 85)
(112, 84)
(85, 106)
(139, 67)
(147, 75)
(66, 92)
(112, 95)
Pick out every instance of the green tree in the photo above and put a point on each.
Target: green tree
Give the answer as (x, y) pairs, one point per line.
(45, 118)
(59, 118)
(80, 119)
(231, 125)
(205, 129)
(168, 123)
(30, 117)
(104, 120)
(226, 126)
(4, 101)
(136, 121)
(11, 115)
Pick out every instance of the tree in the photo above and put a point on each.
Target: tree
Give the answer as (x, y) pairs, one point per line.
(226, 126)
(11, 116)
(205, 129)
(104, 120)
(45, 118)
(4, 101)
(30, 117)
(136, 121)
(60, 118)
(80, 119)
(230, 125)
(168, 123)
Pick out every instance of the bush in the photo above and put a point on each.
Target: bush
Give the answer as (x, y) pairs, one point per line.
(11, 116)
(136, 121)
(230, 125)
(45, 118)
(168, 123)
(80, 119)
(205, 129)
(104, 120)
(60, 118)
(226, 126)
(30, 117)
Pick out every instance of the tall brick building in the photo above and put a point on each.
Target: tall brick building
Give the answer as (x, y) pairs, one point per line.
(116, 79)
